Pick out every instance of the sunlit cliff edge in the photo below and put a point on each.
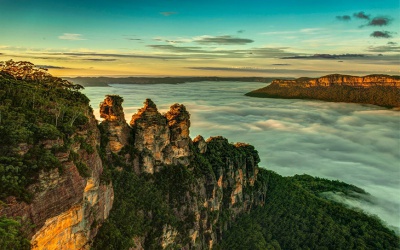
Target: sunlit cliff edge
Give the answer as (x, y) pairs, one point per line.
(381, 90)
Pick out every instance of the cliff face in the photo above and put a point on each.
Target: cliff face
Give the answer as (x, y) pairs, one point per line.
(205, 185)
(67, 209)
(341, 80)
(381, 90)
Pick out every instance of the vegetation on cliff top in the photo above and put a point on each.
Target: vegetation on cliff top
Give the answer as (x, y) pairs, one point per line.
(296, 216)
(35, 108)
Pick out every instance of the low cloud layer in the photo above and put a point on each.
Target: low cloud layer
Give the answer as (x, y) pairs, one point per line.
(354, 143)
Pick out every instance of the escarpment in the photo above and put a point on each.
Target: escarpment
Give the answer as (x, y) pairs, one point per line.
(382, 90)
(50, 174)
(341, 80)
(200, 186)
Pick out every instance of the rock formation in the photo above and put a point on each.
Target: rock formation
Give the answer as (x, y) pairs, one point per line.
(220, 191)
(161, 139)
(114, 122)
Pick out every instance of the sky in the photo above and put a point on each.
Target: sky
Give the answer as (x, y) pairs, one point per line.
(203, 38)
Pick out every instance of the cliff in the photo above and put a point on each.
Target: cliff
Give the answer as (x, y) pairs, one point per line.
(382, 90)
(49, 165)
(200, 186)
(341, 80)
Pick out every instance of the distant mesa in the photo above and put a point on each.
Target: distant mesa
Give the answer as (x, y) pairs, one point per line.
(381, 90)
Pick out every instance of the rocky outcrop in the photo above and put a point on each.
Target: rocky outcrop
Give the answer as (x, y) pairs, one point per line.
(114, 123)
(341, 80)
(161, 139)
(67, 209)
(216, 179)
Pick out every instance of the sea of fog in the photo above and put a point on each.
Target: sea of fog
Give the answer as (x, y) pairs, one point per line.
(357, 144)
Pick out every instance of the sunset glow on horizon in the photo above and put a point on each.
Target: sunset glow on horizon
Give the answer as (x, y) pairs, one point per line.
(207, 38)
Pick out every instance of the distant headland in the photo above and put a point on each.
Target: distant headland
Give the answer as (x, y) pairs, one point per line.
(381, 90)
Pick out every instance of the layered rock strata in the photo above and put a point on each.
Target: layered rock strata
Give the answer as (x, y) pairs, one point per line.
(341, 80)
(67, 209)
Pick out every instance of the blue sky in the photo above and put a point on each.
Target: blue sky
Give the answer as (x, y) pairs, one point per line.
(180, 37)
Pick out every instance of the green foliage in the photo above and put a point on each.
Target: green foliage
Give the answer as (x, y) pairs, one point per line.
(377, 95)
(144, 203)
(294, 217)
(32, 112)
(11, 235)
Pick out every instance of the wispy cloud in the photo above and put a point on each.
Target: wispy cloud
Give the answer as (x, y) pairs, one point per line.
(199, 52)
(71, 37)
(361, 15)
(324, 56)
(176, 49)
(379, 21)
(224, 40)
(343, 18)
(168, 13)
(390, 47)
(133, 39)
(382, 34)
(51, 67)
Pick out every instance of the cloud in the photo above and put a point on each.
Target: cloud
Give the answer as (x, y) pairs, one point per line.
(343, 18)
(168, 13)
(240, 31)
(82, 55)
(390, 47)
(379, 21)
(324, 56)
(100, 59)
(177, 49)
(71, 37)
(274, 71)
(392, 43)
(133, 39)
(361, 15)
(199, 52)
(381, 34)
(51, 67)
(224, 40)
(354, 143)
